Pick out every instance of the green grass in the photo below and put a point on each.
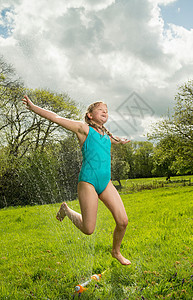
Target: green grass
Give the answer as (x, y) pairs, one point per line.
(41, 258)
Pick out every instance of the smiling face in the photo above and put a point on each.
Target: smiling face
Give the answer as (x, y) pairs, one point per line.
(98, 114)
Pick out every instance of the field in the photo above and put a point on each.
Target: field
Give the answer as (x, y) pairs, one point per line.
(41, 258)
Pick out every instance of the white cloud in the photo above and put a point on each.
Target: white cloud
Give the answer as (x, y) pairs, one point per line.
(179, 42)
(104, 50)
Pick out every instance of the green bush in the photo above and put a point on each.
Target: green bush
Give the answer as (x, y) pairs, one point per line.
(41, 178)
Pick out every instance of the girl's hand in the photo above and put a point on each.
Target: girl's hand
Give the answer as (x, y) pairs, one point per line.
(118, 140)
(124, 141)
(28, 103)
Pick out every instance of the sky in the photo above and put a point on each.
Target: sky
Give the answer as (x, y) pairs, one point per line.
(131, 54)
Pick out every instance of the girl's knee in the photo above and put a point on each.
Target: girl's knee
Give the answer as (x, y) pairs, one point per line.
(88, 231)
(122, 224)
(125, 222)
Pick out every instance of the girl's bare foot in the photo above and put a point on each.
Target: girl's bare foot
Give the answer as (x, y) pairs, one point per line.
(61, 214)
(120, 258)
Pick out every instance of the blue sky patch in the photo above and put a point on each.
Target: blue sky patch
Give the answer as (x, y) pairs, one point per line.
(5, 25)
(178, 13)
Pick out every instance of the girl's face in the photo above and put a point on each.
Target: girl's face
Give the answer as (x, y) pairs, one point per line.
(99, 114)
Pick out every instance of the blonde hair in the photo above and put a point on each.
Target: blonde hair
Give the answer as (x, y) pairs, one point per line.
(90, 123)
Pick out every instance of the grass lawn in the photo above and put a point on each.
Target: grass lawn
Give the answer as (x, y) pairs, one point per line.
(41, 258)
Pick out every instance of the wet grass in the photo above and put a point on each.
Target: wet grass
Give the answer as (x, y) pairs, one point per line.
(41, 258)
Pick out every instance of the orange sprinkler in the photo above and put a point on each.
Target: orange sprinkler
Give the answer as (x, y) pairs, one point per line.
(80, 288)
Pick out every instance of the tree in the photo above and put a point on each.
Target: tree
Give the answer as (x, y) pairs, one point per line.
(119, 165)
(175, 133)
(8, 77)
(22, 130)
(129, 157)
(164, 157)
(143, 161)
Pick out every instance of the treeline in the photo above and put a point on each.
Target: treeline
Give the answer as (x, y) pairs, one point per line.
(40, 161)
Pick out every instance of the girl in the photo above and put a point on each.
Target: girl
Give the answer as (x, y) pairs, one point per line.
(95, 175)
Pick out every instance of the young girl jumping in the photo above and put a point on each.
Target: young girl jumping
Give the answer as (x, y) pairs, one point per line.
(95, 176)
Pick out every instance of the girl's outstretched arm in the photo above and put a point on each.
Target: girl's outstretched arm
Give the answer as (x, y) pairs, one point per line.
(75, 126)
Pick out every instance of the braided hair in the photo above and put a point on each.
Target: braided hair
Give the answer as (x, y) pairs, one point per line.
(90, 123)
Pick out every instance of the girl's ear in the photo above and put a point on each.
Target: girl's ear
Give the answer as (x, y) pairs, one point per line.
(89, 115)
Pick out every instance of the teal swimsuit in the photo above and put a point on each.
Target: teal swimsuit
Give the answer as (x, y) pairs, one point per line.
(96, 165)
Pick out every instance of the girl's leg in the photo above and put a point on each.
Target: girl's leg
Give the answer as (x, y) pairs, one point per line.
(88, 199)
(111, 198)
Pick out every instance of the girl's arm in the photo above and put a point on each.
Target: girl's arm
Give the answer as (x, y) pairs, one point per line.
(75, 126)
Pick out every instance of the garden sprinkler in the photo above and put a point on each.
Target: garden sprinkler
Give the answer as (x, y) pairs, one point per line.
(80, 288)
